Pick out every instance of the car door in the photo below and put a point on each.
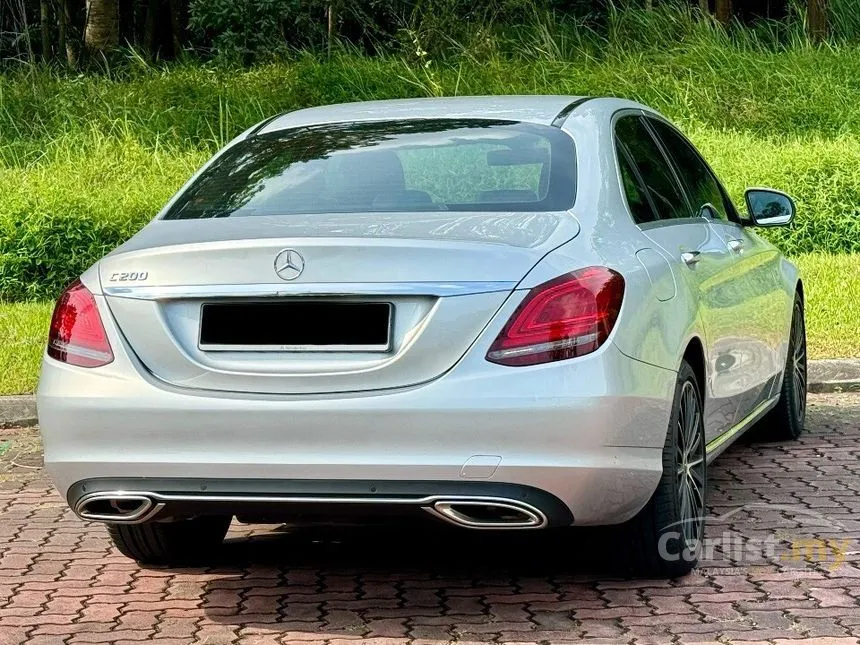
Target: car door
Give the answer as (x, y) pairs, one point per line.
(699, 255)
(743, 304)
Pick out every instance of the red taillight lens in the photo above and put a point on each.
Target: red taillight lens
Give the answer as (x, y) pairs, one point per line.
(77, 335)
(569, 316)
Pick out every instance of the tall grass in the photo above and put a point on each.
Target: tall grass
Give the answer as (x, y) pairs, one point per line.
(85, 160)
(845, 20)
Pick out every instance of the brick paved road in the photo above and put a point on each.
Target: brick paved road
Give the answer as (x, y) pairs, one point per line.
(784, 565)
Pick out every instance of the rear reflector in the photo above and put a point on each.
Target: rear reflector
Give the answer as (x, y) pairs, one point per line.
(568, 316)
(77, 335)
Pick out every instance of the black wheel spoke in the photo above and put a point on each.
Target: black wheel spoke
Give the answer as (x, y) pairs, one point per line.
(695, 487)
(685, 500)
(696, 442)
(800, 353)
(691, 410)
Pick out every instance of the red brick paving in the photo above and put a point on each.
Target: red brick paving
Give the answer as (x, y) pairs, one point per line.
(61, 582)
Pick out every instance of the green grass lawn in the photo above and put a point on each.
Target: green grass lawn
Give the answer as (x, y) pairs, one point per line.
(832, 284)
(832, 311)
(88, 159)
(23, 331)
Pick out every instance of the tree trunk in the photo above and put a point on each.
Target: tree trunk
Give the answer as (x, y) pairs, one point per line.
(331, 19)
(816, 19)
(62, 21)
(72, 35)
(102, 25)
(45, 28)
(25, 29)
(724, 11)
(149, 28)
(175, 27)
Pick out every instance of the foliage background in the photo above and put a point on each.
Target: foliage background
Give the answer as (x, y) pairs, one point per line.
(92, 143)
(87, 159)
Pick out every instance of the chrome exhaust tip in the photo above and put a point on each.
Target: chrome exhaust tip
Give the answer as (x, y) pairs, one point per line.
(489, 514)
(117, 507)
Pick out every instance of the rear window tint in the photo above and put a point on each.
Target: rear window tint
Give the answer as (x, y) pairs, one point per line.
(663, 188)
(419, 165)
(702, 186)
(634, 190)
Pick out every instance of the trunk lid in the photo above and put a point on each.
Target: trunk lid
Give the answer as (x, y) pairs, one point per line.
(444, 276)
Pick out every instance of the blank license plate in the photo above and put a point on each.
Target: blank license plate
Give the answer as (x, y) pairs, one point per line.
(296, 326)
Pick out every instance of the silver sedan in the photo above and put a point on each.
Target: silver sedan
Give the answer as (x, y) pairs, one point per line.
(497, 312)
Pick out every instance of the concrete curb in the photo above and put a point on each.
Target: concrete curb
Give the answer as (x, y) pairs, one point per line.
(838, 375)
(834, 375)
(18, 411)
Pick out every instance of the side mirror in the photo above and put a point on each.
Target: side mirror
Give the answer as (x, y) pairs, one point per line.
(768, 207)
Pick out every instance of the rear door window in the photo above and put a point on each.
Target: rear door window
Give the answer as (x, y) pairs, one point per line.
(638, 201)
(702, 186)
(660, 181)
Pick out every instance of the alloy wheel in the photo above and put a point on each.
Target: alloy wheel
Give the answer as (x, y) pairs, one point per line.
(690, 457)
(798, 342)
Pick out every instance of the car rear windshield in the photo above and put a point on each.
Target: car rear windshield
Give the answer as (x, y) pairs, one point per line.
(418, 165)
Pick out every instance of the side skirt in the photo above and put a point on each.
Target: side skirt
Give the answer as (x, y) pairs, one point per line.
(717, 445)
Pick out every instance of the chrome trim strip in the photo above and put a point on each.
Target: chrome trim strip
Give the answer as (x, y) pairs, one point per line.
(720, 443)
(279, 290)
(537, 519)
(661, 223)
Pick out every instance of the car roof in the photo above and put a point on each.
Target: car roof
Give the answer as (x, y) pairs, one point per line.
(531, 109)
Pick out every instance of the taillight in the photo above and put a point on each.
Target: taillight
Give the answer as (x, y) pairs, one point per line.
(77, 335)
(568, 316)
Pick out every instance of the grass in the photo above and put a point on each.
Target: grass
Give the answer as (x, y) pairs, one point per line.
(79, 179)
(832, 283)
(87, 159)
(24, 329)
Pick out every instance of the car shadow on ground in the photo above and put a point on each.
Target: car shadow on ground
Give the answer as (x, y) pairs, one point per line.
(341, 580)
(437, 550)
(349, 581)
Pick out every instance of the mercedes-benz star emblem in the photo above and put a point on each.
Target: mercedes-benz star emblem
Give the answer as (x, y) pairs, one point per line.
(289, 264)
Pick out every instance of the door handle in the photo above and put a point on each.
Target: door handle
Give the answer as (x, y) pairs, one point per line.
(736, 245)
(691, 257)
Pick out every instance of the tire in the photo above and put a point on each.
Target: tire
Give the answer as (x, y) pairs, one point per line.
(664, 539)
(171, 543)
(785, 421)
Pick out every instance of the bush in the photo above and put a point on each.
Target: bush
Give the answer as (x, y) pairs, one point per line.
(823, 176)
(83, 199)
(43, 253)
(242, 30)
(86, 160)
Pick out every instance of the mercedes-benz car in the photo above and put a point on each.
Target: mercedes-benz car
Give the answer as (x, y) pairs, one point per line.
(508, 313)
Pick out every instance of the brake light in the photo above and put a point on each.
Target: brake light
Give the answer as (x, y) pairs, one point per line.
(569, 316)
(77, 335)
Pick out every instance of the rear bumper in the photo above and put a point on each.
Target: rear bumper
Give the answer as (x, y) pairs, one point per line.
(139, 500)
(587, 432)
